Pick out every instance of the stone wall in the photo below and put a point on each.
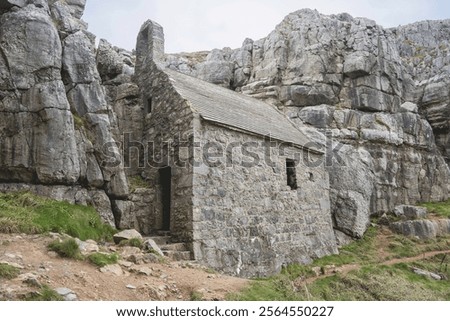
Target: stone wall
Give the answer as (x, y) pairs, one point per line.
(247, 220)
(168, 133)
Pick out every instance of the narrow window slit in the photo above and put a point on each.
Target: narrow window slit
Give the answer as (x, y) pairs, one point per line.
(148, 106)
(291, 174)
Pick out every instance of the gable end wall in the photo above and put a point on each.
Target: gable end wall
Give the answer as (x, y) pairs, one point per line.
(247, 221)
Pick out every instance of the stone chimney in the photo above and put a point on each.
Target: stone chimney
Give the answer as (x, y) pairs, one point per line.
(150, 45)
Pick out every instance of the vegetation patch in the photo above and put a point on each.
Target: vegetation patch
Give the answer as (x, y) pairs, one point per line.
(295, 271)
(8, 272)
(67, 248)
(44, 294)
(402, 246)
(276, 288)
(134, 242)
(376, 283)
(78, 121)
(102, 259)
(196, 296)
(136, 182)
(370, 283)
(440, 208)
(359, 251)
(31, 214)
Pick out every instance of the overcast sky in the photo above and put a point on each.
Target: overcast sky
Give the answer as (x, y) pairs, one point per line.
(193, 25)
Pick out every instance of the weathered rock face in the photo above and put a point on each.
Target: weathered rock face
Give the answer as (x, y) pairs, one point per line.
(55, 120)
(424, 48)
(424, 229)
(383, 93)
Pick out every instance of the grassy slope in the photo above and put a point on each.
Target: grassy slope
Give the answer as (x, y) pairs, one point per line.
(30, 214)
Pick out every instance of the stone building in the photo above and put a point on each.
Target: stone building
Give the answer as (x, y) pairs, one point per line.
(243, 187)
(234, 179)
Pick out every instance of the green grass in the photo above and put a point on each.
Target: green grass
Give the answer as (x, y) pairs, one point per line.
(378, 283)
(67, 248)
(359, 251)
(78, 121)
(402, 246)
(196, 296)
(8, 272)
(134, 242)
(44, 294)
(102, 259)
(276, 288)
(294, 271)
(31, 214)
(370, 283)
(136, 182)
(441, 208)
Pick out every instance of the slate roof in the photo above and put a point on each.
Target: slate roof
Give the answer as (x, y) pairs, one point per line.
(227, 107)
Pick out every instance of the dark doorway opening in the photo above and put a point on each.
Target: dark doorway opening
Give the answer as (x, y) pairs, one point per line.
(165, 180)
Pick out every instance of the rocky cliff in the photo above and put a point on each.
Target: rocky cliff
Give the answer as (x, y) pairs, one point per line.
(380, 95)
(55, 119)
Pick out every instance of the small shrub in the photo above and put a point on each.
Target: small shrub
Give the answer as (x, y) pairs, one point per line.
(44, 294)
(196, 296)
(134, 242)
(8, 272)
(210, 271)
(67, 248)
(102, 259)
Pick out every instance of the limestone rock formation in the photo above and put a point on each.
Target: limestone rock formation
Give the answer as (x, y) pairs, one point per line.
(425, 51)
(55, 119)
(380, 95)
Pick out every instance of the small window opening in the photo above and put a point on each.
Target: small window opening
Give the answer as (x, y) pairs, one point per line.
(148, 106)
(291, 174)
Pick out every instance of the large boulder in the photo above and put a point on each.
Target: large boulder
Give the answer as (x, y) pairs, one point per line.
(423, 229)
(126, 235)
(352, 189)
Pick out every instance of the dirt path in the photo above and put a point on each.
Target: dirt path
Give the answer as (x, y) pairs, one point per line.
(415, 258)
(135, 282)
